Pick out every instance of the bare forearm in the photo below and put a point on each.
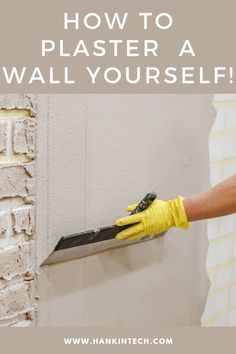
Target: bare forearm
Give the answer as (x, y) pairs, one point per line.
(218, 201)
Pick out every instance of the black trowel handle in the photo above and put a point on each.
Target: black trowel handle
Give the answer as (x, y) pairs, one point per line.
(105, 233)
(145, 203)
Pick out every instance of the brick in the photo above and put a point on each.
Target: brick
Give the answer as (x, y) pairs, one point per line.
(3, 224)
(19, 102)
(3, 136)
(16, 260)
(23, 218)
(15, 300)
(15, 181)
(26, 323)
(24, 137)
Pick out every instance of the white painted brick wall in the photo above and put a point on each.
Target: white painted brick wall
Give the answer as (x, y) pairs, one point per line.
(17, 210)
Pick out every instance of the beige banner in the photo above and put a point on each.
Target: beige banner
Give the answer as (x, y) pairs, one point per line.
(184, 340)
(143, 56)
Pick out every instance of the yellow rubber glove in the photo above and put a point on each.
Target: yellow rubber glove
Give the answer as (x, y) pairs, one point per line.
(160, 216)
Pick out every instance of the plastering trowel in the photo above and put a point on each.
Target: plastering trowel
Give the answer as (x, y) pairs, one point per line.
(92, 241)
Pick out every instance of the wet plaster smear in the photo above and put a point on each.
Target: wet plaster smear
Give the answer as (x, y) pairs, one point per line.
(97, 154)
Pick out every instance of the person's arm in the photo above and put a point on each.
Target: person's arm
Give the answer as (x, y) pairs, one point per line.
(218, 201)
(163, 215)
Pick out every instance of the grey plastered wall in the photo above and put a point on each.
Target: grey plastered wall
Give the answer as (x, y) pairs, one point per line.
(96, 154)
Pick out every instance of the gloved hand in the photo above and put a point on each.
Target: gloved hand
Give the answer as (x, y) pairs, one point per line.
(160, 216)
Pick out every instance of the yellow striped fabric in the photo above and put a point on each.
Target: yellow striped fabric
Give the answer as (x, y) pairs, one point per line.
(220, 309)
